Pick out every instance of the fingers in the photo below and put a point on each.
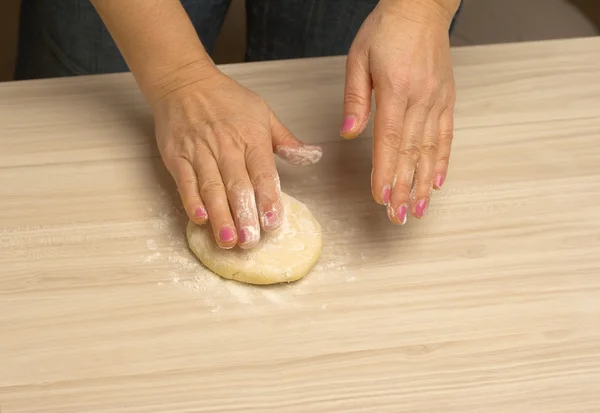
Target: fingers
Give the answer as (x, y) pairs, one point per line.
(388, 130)
(423, 182)
(291, 149)
(240, 193)
(265, 180)
(408, 156)
(446, 134)
(187, 185)
(357, 95)
(212, 191)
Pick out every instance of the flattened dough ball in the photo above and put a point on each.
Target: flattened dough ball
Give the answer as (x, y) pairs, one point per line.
(284, 255)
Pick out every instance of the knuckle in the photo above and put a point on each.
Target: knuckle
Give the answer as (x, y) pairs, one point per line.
(264, 177)
(235, 185)
(175, 146)
(428, 92)
(396, 85)
(352, 96)
(433, 86)
(410, 153)
(448, 98)
(401, 192)
(227, 135)
(183, 141)
(240, 138)
(255, 134)
(426, 99)
(444, 158)
(399, 88)
(257, 157)
(186, 182)
(211, 188)
(429, 148)
(392, 134)
(405, 179)
(447, 134)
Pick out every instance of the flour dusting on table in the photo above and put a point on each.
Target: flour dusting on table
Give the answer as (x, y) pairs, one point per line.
(168, 249)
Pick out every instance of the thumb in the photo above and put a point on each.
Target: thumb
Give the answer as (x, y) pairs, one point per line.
(291, 149)
(357, 96)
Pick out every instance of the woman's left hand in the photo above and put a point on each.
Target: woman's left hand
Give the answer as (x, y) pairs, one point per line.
(402, 52)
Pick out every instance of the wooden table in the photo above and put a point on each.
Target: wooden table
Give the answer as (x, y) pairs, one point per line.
(491, 304)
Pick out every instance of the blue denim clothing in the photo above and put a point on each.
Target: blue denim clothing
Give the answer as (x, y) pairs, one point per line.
(67, 37)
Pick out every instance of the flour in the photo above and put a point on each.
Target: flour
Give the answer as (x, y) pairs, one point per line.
(185, 263)
(152, 258)
(168, 253)
(272, 245)
(247, 213)
(302, 155)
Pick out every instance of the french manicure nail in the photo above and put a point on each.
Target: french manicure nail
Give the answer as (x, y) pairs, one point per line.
(200, 213)
(385, 194)
(348, 125)
(439, 181)
(402, 213)
(226, 234)
(421, 208)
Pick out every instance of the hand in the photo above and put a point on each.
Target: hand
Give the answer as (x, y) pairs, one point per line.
(402, 51)
(217, 140)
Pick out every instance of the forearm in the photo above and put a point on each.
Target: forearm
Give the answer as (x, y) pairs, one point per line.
(158, 42)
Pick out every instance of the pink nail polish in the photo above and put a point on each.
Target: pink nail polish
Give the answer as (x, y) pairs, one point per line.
(269, 219)
(402, 213)
(248, 236)
(385, 194)
(421, 208)
(348, 125)
(200, 213)
(439, 181)
(242, 237)
(226, 234)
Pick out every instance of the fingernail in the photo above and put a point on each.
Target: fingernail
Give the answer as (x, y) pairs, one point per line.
(390, 212)
(348, 125)
(402, 213)
(439, 181)
(248, 235)
(385, 194)
(243, 236)
(421, 208)
(269, 219)
(226, 234)
(200, 213)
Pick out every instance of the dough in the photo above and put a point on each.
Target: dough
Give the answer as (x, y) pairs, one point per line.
(284, 255)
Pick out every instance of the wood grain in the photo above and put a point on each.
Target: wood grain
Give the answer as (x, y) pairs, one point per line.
(491, 304)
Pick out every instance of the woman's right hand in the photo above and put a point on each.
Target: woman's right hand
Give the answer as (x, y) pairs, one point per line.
(217, 140)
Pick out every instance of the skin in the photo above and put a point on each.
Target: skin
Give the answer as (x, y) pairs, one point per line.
(217, 138)
(410, 71)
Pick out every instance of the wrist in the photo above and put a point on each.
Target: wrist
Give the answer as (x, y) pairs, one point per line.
(424, 11)
(448, 6)
(167, 80)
